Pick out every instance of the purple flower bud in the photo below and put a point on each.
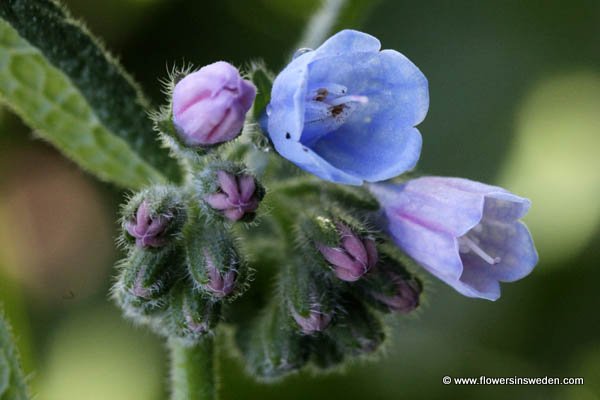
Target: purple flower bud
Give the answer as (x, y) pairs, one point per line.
(219, 284)
(354, 258)
(237, 196)
(406, 297)
(316, 321)
(209, 105)
(147, 229)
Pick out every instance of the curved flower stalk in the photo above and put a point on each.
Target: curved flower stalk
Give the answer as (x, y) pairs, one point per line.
(466, 233)
(347, 111)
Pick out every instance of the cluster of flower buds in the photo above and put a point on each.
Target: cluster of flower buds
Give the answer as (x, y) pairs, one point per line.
(179, 267)
(329, 298)
(182, 259)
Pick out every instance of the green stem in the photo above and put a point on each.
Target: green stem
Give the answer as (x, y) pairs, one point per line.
(193, 370)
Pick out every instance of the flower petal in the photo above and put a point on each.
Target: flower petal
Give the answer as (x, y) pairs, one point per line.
(336, 257)
(372, 254)
(309, 161)
(286, 119)
(436, 251)
(347, 41)
(505, 207)
(218, 201)
(206, 82)
(356, 248)
(476, 283)
(202, 118)
(397, 89)
(431, 203)
(384, 156)
(512, 243)
(247, 187)
(229, 185)
(234, 214)
(346, 274)
(378, 140)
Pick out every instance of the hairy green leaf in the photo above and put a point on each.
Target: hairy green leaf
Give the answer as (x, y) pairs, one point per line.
(12, 381)
(63, 84)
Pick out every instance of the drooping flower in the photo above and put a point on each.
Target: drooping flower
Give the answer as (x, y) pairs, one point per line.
(237, 196)
(209, 105)
(355, 256)
(347, 111)
(466, 233)
(147, 229)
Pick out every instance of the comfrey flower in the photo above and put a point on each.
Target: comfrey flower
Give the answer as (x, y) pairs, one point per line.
(209, 105)
(237, 196)
(354, 258)
(148, 230)
(347, 111)
(466, 233)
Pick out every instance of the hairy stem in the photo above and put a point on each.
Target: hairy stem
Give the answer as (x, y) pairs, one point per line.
(193, 370)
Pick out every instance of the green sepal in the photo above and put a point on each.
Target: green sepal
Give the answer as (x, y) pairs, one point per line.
(305, 287)
(350, 197)
(215, 246)
(357, 330)
(322, 229)
(191, 315)
(381, 280)
(325, 353)
(145, 278)
(272, 348)
(191, 158)
(317, 228)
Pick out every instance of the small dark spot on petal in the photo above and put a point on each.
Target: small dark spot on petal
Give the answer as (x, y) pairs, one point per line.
(337, 110)
(305, 149)
(287, 135)
(321, 94)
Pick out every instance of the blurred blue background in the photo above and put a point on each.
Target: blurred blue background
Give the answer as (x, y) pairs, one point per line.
(515, 101)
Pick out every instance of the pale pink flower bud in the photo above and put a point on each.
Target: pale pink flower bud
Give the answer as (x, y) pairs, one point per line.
(210, 105)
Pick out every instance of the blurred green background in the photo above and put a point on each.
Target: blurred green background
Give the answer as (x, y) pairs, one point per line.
(515, 101)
